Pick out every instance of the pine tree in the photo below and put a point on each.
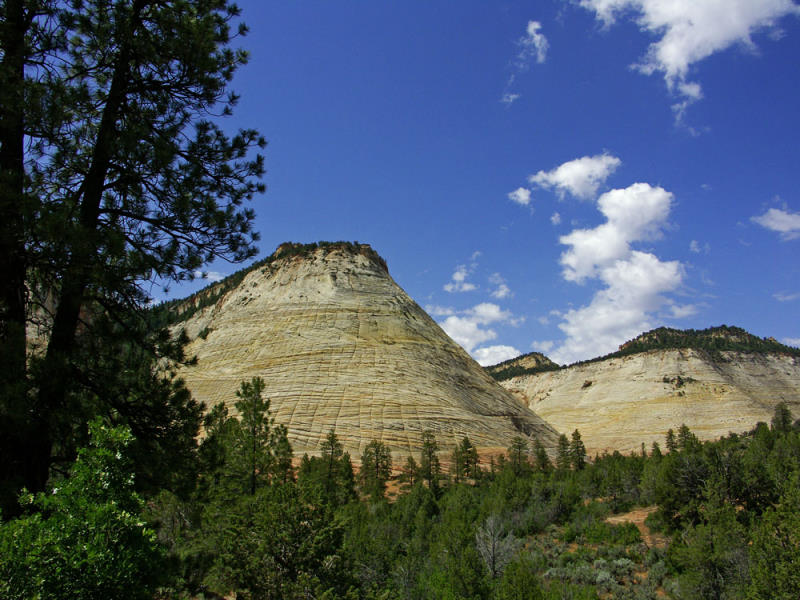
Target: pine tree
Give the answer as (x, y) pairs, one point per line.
(782, 419)
(429, 467)
(518, 455)
(577, 452)
(410, 473)
(671, 443)
(112, 177)
(376, 468)
(543, 463)
(562, 453)
(252, 451)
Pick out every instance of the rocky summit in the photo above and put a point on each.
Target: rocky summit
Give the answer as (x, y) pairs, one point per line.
(341, 346)
(716, 381)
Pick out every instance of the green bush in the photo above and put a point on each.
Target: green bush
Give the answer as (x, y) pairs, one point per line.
(86, 540)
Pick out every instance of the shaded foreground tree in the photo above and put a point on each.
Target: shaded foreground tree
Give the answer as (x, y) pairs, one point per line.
(88, 541)
(112, 177)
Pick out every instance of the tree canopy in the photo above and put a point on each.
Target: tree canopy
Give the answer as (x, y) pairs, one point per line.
(115, 174)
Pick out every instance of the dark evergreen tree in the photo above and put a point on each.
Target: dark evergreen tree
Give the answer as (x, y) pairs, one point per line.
(518, 455)
(410, 473)
(782, 419)
(376, 468)
(331, 473)
(562, 453)
(430, 468)
(670, 442)
(112, 177)
(577, 452)
(251, 455)
(542, 460)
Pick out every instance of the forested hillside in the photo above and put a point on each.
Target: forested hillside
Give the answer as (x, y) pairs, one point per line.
(724, 521)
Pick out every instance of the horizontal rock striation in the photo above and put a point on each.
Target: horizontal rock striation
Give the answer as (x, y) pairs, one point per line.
(341, 346)
(620, 402)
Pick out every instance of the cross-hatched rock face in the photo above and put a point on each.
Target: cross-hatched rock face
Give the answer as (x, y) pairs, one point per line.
(620, 402)
(341, 346)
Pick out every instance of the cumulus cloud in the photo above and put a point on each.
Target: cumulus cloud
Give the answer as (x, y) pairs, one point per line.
(635, 213)
(555, 218)
(690, 31)
(458, 282)
(580, 177)
(781, 221)
(470, 327)
(491, 355)
(533, 45)
(634, 282)
(508, 98)
(521, 196)
(792, 342)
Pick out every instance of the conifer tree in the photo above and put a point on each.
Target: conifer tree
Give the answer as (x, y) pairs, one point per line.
(562, 453)
(410, 473)
(376, 468)
(543, 463)
(518, 455)
(429, 466)
(112, 177)
(577, 452)
(670, 442)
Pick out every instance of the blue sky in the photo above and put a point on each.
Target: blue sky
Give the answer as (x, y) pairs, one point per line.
(554, 176)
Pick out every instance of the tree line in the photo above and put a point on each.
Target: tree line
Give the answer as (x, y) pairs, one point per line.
(519, 525)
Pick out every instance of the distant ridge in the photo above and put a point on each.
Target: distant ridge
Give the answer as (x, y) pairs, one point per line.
(713, 340)
(714, 380)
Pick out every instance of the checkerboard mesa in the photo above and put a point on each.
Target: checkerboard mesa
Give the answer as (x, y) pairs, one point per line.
(341, 346)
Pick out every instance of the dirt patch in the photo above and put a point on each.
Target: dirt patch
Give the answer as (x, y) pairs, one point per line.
(637, 517)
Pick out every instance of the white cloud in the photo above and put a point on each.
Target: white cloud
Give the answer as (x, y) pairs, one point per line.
(580, 177)
(212, 276)
(620, 311)
(681, 311)
(521, 196)
(491, 355)
(784, 297)
(694, 246)
(784, 222)
(439, 311)
(467, 332)
(459, 281)
(792, 342)
(555, 218)
(543, 346)
(634, 282)
(633, 214)
(469, 328)
(533, 45)
(502, 290)
(690, 31)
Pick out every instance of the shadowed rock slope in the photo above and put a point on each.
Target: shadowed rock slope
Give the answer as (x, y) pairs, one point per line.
(717, 380)
(340, 345)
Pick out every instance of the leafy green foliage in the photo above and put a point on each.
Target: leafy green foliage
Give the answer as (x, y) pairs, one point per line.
(86, 538)
(113, 178)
